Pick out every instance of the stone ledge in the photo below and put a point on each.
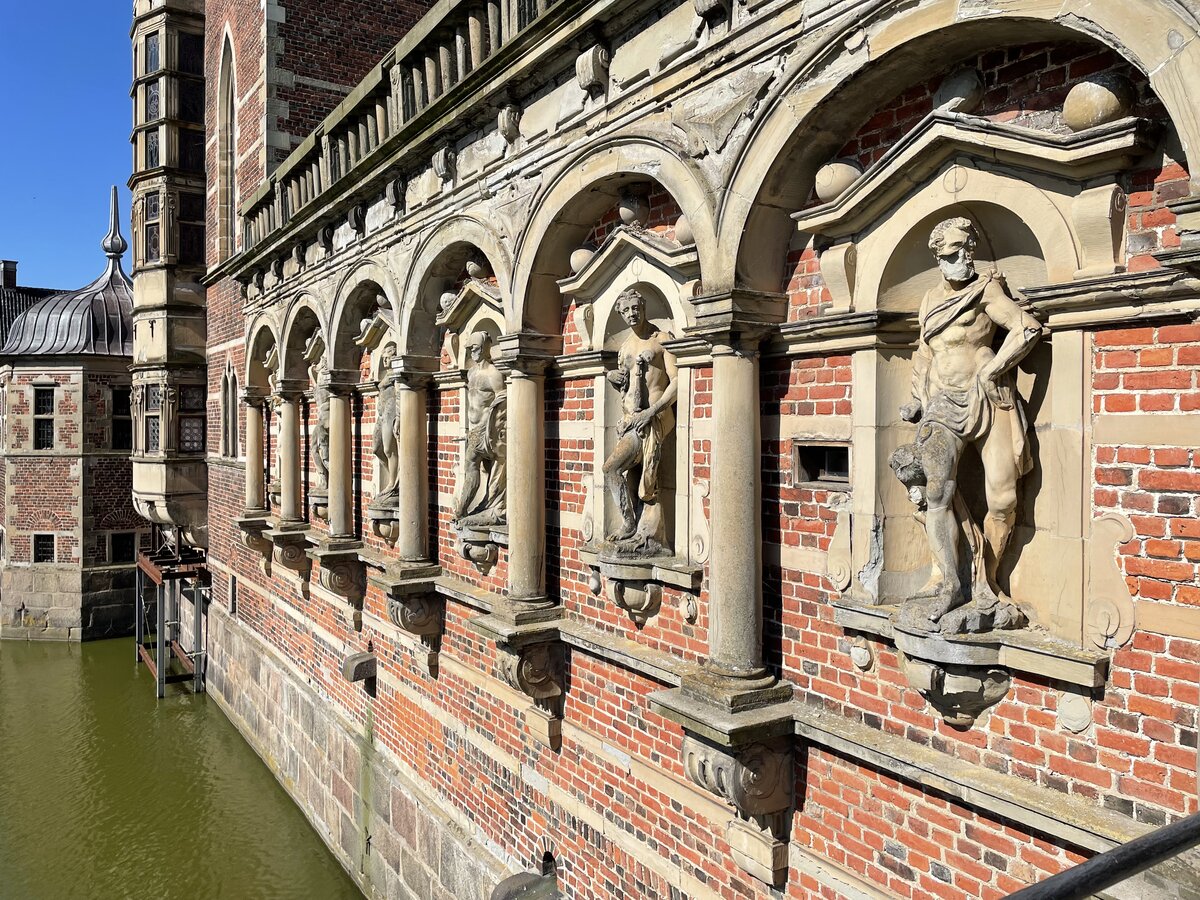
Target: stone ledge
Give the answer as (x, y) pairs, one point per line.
(1026, 651)
(668, 570)
(653, 664)
(720, 726)
(1006, 796)
(466, 593)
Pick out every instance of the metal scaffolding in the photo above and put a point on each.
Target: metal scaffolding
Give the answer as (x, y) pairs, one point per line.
(158, 619)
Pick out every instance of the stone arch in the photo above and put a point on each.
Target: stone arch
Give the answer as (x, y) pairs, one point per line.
(440, 257)
(865, 56)
(367, 288)
(261, 340)
(566, 209)
(302, 320)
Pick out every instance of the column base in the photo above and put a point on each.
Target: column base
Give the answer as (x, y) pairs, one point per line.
(733, 694)
(526, 611)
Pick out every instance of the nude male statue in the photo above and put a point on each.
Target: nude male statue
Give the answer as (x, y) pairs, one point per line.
(485, 444)
(964, 393)
(385, 427)
(647, 376)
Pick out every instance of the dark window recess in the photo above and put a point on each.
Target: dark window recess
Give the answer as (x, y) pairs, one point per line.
(152, 62)
(233, 598)
(152, 149)
(153, 247)
(191, 150)
(191, 101)
(43, 401)
(43, 548)
(122, 421)
(191, 207)
(154, 397)
(152, 434)
(153, 106)
(191, 53)
(191, 397)
(122, 547)
(43, 434)
(820, 462)
(43, 421)
(191, 244)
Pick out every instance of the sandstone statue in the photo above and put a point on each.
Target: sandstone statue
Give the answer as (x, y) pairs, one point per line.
(484, 453)
(315, 355)
(385, 437)
(647, 377)
(965, 393)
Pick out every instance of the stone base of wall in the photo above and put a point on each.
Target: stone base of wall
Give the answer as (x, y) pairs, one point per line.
(59, 603)
(387, 830)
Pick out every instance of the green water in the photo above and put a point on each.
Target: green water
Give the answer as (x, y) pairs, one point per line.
(107, 793)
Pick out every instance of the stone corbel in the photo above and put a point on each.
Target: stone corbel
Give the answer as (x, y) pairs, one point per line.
(712, 11)
(291, 550)
(591, 69)
(481, 546)
(443, 162)
(416, 608)
(532, 659)
(757, 780)
(960, 694)
(636, 585)
(253, 528)
(1098, 215)
(839, 267)
(343, 572)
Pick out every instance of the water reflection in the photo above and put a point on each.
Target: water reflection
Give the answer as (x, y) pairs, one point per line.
(105, 792)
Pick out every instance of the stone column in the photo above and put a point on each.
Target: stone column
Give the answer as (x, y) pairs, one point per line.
(735, 614)
(289, 456)
(341, 459)
(412, 485)
(525, 357)
(255, 475)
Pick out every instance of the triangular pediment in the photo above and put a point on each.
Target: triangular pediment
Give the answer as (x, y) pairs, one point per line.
(943, 137)
(624, 247)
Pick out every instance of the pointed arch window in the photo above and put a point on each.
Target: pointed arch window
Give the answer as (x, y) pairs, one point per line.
(226, 154)
(229, 413)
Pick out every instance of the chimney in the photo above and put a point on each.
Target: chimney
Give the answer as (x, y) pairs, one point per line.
(8, 273)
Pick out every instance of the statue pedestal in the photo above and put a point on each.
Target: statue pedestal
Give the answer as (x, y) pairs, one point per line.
(636, 585)
(480, 544)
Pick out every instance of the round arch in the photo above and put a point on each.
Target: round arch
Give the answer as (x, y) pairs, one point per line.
(568, 206)
(359, 291)
(301, 320)
(261, 338)
(860, 59)
(457, 235)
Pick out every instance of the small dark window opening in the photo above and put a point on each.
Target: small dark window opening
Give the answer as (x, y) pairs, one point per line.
(549, 867)
(152, 61)
(191, 150)
(43, 421)
(122, 547)
(191, 229)
(821, 462)
(153, 206)
(191, 53)
(122, 420)
(233, 598)
(43, 548)
(192, 427)
(191, 101)
(153, 408)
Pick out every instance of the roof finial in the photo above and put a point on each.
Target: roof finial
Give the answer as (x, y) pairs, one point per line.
(114, 245)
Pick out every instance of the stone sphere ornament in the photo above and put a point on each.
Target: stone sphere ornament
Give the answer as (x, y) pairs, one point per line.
(581, 258)
(1098, 100)
(683, 232)
(835, 178)
(959, 92)
(633, 209)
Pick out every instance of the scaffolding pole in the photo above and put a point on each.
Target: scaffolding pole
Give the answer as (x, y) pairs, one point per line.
(160, 640)
(198, 653)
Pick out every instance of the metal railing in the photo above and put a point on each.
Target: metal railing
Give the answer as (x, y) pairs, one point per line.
(1121, 864)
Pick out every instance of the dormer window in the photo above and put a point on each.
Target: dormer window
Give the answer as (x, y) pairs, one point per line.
(43, 418)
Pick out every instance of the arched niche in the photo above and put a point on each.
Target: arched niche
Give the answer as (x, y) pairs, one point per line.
(574, 200)
(880, 52)
(303, 323)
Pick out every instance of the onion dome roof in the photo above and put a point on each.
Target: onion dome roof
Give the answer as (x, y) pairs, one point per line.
(96, 320)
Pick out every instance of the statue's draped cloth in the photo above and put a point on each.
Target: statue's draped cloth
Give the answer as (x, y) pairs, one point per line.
(969, 413)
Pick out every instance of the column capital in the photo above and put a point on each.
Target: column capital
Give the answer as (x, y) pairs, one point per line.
(340, 382)
(525, 353)
(291, 389)
(255, 396)
(737, 321)
(413, 371)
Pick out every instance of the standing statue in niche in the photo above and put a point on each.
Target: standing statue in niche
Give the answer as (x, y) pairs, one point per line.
(315, 355)
(964, 392)
(484, 453)
(647, 377)
(385, 431)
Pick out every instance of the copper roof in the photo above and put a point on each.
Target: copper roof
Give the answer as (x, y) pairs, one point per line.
(95, 320)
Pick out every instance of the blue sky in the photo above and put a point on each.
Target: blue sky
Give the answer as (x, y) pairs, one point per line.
(65, 117)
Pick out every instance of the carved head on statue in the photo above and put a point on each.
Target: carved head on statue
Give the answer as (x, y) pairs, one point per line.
(953, 242)
(631, 306)
(479, 347)
(386, 355)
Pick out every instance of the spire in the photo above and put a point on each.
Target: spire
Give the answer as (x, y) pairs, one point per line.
(113, 244)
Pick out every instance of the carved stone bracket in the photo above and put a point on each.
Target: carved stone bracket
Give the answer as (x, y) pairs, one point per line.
(591, 69)
(415, 607)
(532, 659)
(960, 694)
(636, 585)
(481, 546)
(343, 572)
(253, 524)
(291, 550)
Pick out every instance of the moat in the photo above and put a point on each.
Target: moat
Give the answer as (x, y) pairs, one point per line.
(108, 793)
